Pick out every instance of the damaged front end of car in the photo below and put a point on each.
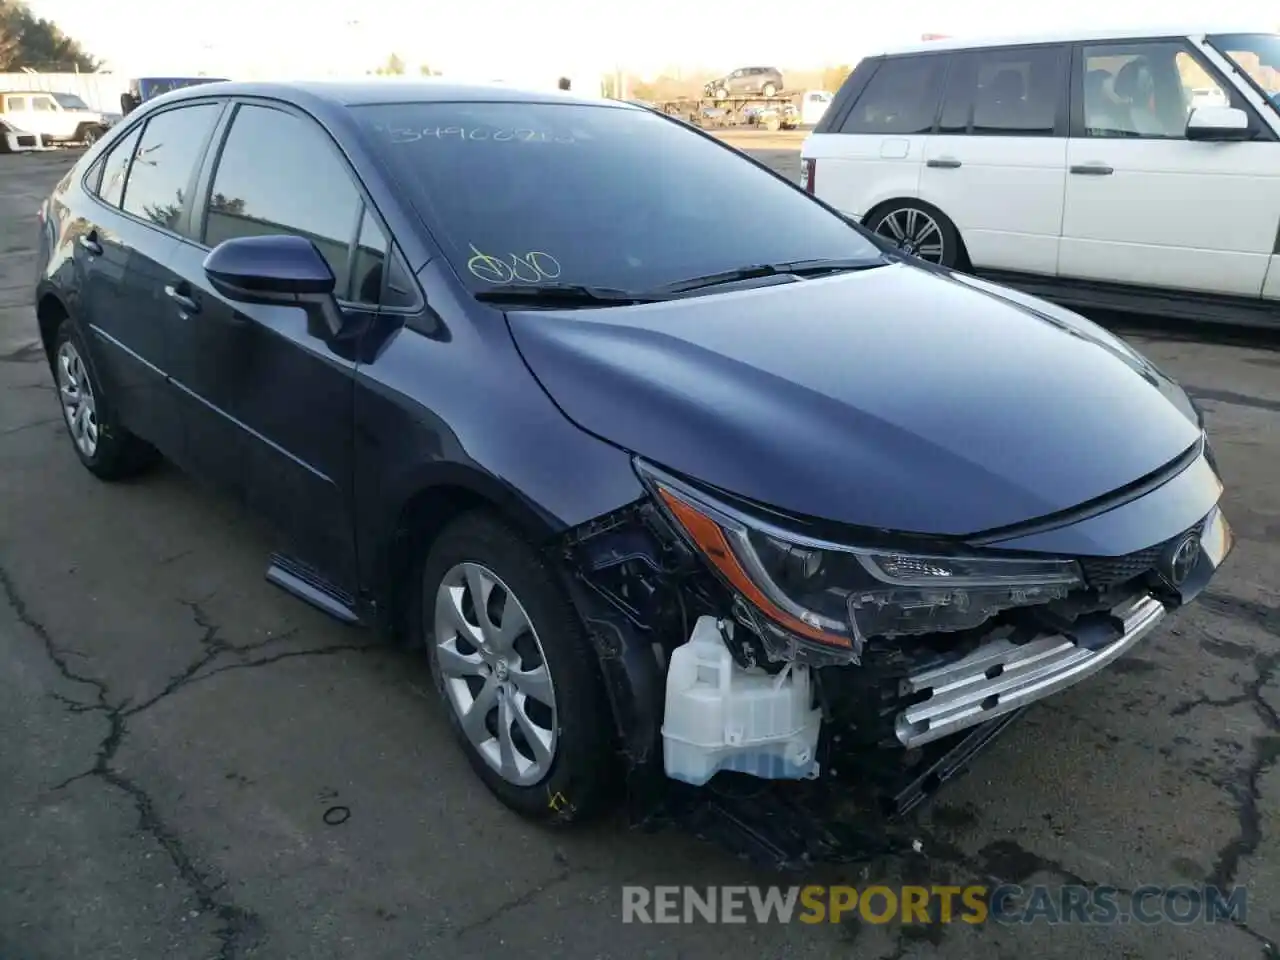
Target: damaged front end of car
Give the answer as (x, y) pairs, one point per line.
(794, 697)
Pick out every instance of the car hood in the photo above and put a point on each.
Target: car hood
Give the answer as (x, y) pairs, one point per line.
(896, 398)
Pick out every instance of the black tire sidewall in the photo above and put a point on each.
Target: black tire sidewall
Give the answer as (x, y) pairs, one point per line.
(118, 453)
(950, 235)
(581, 779)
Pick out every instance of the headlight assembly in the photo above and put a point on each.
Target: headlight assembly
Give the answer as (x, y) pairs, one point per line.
(842, 595)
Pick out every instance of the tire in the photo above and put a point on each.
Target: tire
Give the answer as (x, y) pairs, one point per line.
(722, 93)
(91, 136)
(576, 781)
(104, 446)
(907, 224)
(768, 89)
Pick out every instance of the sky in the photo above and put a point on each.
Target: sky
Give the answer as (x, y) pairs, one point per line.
(517, 40)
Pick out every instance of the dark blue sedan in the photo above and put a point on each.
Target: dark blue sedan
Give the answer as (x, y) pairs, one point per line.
(670, 469)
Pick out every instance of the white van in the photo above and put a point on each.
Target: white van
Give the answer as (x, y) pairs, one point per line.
(1110, 170)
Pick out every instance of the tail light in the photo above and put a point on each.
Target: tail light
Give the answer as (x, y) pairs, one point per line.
(808, 173)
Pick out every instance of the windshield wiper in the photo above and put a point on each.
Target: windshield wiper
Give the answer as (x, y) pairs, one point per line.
(562, 295)
(795, 268)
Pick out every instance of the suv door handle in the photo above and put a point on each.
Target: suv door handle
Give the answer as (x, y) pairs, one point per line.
(1092, 169)
(90, 242)
(187, 304)
(943, 163)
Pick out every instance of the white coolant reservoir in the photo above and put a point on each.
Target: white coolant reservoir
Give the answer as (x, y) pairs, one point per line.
(721, 716)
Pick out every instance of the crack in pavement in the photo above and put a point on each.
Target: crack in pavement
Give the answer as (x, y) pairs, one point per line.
(515, 903)
(10, 431)
(240, 929)
(1246, 791)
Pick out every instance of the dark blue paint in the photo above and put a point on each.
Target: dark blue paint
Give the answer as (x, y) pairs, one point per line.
(285, 265)
(897, 398)
(889, 398)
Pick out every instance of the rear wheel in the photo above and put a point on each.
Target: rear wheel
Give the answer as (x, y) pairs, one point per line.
(769, 90)
(104, 446)
(516, 672)
(919, 230)
(722, 93)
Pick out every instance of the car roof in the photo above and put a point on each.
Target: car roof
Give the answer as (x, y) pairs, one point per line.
(348, 93)
(1073, 36)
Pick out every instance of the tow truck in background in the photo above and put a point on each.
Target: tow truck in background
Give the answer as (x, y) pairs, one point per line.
(782, 111)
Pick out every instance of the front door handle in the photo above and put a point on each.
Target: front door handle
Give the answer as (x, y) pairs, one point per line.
(943, 163)
(90, 243)
(1092, 169)
(186, 303)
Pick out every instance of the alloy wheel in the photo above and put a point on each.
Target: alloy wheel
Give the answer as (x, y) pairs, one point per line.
(76, 394)
(495, 674)
(915, 232)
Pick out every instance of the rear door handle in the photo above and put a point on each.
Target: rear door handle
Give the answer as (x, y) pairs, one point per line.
(185, 302)
(943, 163)
(1092, 169)
(90, 243)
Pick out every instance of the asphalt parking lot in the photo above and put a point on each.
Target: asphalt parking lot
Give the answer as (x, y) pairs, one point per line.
(196, 765)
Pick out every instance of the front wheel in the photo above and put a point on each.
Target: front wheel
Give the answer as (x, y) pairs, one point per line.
(920, 231)
(516, 672)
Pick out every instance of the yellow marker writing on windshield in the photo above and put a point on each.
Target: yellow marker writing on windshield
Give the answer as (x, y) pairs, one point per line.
(533, 267)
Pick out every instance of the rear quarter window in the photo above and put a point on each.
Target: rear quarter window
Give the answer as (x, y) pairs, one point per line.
(900, 98)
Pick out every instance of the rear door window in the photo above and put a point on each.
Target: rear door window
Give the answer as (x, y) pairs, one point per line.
(1015, 92)
(901, 97)
(172, 145)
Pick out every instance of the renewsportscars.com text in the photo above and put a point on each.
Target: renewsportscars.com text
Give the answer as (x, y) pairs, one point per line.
(978, 904)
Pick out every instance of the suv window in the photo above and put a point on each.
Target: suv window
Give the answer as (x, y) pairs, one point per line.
(901, 98)
(305, 189)
(172, 145)
(42, 103)
(1144, 90)
(16, 104)
(115, 168)
(1012, 93)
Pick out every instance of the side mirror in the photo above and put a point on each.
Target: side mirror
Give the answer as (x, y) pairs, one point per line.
(1218, 123)
(282, 270)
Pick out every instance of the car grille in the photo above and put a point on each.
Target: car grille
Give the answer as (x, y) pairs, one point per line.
(1102, 573)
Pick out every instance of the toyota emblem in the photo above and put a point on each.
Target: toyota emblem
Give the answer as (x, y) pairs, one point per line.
(1182, 560)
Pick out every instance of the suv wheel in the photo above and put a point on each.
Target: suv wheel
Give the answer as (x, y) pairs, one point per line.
(920, 231)
(722, 93)
(108, 450)
(90, 136)
(516, 672)
(769, 90)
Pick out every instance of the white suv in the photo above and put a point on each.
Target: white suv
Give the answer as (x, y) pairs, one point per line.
(57, 117)
(1122, 171)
